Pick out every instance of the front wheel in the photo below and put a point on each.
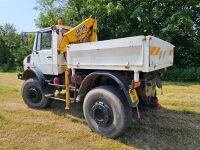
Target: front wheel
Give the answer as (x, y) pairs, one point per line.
(33, 94)
(106, 111)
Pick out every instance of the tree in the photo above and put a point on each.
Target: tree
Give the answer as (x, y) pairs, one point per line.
(50, 12)
(9, 42)
(12, 52)
(23, 51)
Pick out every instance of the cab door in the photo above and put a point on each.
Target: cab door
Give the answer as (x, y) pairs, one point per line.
(43, 53)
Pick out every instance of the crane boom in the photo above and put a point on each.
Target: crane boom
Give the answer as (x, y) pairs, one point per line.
(84, 32)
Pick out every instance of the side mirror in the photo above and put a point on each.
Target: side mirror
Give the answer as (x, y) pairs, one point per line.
(24, 39)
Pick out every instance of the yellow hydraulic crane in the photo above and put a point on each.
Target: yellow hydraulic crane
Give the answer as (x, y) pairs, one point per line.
(84, 32)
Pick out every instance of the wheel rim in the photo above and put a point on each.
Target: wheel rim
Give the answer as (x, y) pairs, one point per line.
(34, 94)
(102, 113)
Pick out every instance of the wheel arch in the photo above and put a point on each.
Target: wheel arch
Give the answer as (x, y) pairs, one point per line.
(34, 72)
(90, 79)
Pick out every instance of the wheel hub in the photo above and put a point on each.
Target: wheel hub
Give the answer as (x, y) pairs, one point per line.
(34, 94)
(102, 113)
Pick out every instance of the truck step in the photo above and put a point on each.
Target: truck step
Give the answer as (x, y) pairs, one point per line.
(71, 88)
(49, 95)
(48, 81)
(62, 99)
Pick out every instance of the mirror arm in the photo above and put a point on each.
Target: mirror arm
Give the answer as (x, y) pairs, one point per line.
(35, 51)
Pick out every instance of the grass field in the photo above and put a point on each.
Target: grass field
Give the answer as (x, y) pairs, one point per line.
(174, 126)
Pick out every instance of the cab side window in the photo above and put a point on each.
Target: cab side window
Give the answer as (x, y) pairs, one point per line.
(44, 40)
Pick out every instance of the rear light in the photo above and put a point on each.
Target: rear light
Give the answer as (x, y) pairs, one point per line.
(57, 80)
(136, 84)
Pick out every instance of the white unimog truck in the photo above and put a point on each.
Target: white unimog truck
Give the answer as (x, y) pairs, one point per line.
(110, 77)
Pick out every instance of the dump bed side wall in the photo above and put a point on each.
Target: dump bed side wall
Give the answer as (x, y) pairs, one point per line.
(117, 54)
(138, 53)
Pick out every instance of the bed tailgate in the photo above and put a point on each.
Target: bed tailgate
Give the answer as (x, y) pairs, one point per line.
(161, 54)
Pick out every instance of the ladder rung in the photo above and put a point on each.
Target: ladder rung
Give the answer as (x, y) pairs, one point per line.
(63, 86)
(49, 95)
(57, 98)
(61, 99)
(72, 88)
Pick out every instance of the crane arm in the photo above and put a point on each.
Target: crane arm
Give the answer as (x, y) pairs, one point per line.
(84, 32)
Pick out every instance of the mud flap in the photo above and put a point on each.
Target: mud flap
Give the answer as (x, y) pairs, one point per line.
(159, 84)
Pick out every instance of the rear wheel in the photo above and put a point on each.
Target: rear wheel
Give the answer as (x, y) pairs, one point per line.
(106, 111)
(33, 94)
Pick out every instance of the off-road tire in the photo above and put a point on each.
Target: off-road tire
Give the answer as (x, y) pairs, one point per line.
(121, 111)
(40, 101)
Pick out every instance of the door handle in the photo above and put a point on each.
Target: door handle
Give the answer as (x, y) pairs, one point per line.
(49, 57)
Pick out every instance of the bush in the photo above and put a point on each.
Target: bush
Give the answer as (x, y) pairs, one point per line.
(7, 68)
(198, 74)
(181, 74)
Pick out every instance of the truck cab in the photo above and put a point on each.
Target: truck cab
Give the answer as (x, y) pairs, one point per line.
(44, 55)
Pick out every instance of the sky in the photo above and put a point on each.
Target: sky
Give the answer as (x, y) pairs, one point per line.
(20, 13)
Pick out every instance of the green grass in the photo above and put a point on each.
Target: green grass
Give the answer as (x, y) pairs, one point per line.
(174, 126)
